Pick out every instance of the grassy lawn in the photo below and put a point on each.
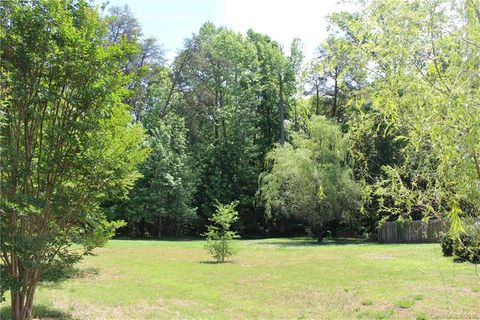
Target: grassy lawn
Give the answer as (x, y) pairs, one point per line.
(270, 278)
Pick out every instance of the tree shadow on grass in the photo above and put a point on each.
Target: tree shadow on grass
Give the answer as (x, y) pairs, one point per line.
(68, 274)
(216, 262)
(83, 273)
(163, 239)
(315, 243)
(40, 311)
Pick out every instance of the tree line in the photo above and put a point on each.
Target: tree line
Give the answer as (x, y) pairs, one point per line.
(382, 124)
(210, 117)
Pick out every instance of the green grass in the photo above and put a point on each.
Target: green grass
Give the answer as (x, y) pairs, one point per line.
(268, 279)
(405, 304)
(367, 302)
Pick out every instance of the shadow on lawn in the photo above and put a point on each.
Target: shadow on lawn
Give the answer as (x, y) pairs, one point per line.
(46, 312)
(83, 273)
(215, 262)
(40, 311)
(68, 274)
(164, 239)
(315, 243)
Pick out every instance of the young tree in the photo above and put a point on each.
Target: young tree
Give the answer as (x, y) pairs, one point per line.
(311, 178)
(67, 140)
(219, 236)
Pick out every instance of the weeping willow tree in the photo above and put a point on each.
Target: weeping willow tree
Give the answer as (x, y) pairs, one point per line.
(310, 178)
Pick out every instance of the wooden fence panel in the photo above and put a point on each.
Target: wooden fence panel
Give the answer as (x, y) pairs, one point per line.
(412, 231)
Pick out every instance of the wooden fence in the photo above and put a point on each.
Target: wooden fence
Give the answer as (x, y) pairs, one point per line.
(412, 231)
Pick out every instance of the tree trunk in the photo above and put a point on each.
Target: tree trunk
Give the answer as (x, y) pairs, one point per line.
(281, 109)
(317, 107)
(477, 164)
(319, 232)
(159, 224)
(133, 229)
(22, 305)
(22, 300)
(334, 107)
(335, 93)
(141, 228)
(268, 129)
(16, 305)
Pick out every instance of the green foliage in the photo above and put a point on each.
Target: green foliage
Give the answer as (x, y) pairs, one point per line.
(334, 77)
(161, 202)
(163, 196)
(447, 245)
(467, 245)
(229, 91)
(311, 178)
(415, 54)
(219, 236)
(68, 141)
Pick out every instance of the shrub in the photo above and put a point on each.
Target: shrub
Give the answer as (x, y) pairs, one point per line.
(219, 236)
(447, 245)
(467, 246)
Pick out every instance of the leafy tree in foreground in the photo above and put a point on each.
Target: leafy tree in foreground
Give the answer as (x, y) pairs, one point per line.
(219, 236)
(311, 179)
(422, 60)
(67, 141)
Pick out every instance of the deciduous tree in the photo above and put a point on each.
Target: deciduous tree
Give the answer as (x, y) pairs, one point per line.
(67, 139)
(311, 178)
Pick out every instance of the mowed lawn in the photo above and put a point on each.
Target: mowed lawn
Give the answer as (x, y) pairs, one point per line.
(268, 279)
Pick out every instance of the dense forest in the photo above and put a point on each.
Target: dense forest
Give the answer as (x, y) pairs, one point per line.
(382, 124)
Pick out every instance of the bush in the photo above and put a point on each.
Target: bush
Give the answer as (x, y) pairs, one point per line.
(467, 247)
(219, 236)
(447, 245)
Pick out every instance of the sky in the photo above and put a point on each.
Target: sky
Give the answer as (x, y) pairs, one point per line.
(172, 21)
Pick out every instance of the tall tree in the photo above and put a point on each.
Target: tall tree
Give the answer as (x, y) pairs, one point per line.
(219, 108)
(334, 76)
(145, 57)
(266, 90)
(68, 142)
(163, 196)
